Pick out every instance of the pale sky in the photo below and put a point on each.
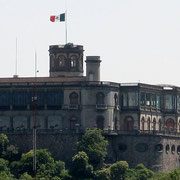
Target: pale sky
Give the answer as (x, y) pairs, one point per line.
(138, 40)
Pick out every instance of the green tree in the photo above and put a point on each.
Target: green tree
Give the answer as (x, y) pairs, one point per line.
(81, 169)
(143, 173)
(3, 143)
(103, 174)
(25, 176)
(46, 165)
(95, 146)
(118, 170)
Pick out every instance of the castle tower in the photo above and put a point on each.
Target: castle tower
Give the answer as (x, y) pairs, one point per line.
(66, 60)
(93, 68)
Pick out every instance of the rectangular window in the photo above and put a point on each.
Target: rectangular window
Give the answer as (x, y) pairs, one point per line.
(5, 98)
(132, 99)
(54, 98)
(158, 101)
(148, 99)
(124, 99)
(178, 102)
(169, 102)
(142, 99)
(153, 100)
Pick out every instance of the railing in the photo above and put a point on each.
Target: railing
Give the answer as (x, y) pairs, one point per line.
(77, 130)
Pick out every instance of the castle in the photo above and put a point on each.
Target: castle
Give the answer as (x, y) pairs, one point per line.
(141, 121)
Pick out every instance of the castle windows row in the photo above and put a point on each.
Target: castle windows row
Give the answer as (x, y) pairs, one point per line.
(166, 101)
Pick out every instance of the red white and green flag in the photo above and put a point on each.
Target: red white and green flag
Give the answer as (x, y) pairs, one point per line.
(58, 18)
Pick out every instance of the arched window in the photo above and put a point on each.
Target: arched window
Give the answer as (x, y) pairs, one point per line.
(128, 124)
(61, 61)
(73, 122)
(100, 98)
(148, 124)
(142, 123)
(73, 61)
(170, 124)
(100, 122)
(73, 98)
(160, 125)
(154, 124)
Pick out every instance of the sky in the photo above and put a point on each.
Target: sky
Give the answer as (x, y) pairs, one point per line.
(137, 40)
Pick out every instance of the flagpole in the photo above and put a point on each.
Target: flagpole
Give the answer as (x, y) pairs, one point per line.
(66, 25)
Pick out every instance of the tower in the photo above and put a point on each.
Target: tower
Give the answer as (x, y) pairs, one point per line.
(66, 60)
(93, 68)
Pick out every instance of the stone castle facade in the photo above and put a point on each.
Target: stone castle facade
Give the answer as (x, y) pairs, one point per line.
(141, 121)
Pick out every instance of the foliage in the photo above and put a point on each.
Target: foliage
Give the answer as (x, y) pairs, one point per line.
(80, 166)
(4, 165)
(65, 176)
(143, 173)
(118, 170)
(25, 176)
(11, 153)
(95, 146)
(3, 143)
(103, 174)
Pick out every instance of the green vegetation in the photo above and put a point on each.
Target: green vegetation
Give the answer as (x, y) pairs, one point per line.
(87, 164)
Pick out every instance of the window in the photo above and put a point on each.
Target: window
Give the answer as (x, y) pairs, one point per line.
(170, 124)
(73, 98)
(130, 99)
(148, 99)
(61, 61)
(73, 122)
(178, 149)
(100, 98)
(149, 124)
(169, 102)
(158, 102)
(91, 77)
(153, 100)
(142, 99)
(160, 125)
(178, 102)
(100, 122)
(173, 149)
(129, 123)
(73, 61)
(142, 123)
(154, 124)
(159, 147)
(167, 148)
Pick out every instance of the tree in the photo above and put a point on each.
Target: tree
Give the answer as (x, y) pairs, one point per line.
(143, 173)
(81, 169)
(95, 146)
(118, 170)
(3, 143)
(103, 174)
(46, 165)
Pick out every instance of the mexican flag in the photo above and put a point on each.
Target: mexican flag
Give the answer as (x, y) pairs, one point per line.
(58, 18)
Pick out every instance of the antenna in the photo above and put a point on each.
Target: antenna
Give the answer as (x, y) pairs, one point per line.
(35, 103)
(66, 30)
(16, 59)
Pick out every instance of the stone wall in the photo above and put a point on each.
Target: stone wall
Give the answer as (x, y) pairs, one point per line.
(149, 149)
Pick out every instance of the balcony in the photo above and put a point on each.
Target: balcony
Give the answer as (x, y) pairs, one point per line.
(101, 106)
(73, 106)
